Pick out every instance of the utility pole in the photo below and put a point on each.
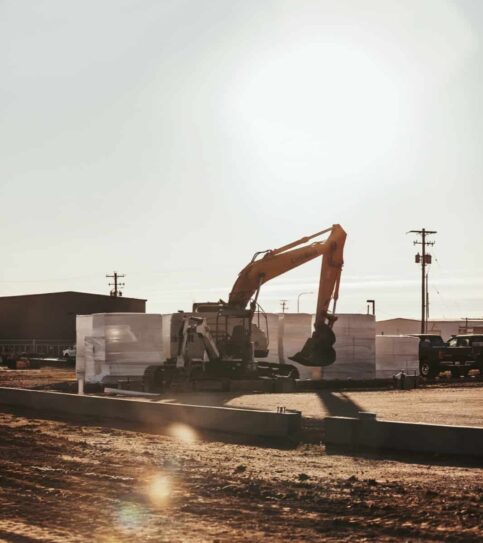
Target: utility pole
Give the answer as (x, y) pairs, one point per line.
(427, 299)
(423, 259)
(284, 305)
(115, 291)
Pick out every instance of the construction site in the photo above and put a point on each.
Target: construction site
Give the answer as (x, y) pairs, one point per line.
(228, 423)
(241, 293)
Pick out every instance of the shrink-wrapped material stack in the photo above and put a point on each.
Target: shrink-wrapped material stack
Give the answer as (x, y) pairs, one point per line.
(396, 353)
(112, 345)
(355, 348)
(294, 330)
(83, 330)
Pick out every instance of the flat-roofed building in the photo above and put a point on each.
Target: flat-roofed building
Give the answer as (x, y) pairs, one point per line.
(46, 323)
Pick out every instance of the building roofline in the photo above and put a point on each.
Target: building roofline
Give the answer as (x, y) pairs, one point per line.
(448, 319)
(71, 292)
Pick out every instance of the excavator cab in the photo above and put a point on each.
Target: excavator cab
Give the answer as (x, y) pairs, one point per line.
(235, 329)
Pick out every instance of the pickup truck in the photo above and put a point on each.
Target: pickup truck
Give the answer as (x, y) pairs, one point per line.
(459, 355)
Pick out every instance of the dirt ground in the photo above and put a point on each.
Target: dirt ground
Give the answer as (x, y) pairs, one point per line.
(61, 481)
(462, 406)
(66, 481)
(38, 378)
(440, 403)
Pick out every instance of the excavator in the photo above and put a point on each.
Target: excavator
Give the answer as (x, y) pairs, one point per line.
(231, 338)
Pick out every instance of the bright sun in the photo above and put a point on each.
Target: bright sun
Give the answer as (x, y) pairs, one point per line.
(329, 101)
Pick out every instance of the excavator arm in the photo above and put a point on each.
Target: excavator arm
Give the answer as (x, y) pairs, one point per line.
(318, 349)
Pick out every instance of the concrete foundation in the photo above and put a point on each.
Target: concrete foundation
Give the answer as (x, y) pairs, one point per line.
(266, 424)
(366, 432)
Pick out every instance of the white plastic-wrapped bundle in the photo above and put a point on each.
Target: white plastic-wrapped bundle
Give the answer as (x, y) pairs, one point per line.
(396, 353)
(294, 330)
(113, 345)
(355, 348)
(355, 345)
(83, 330)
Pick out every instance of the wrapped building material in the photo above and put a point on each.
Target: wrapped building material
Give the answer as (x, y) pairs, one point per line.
(293, 331)
(355, 345)
(396, 353)
(355, 348)
(113, 345)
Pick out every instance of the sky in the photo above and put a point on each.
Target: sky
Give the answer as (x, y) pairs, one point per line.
(171, 140)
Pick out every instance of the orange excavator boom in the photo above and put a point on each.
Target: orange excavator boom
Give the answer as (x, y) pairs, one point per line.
(318, 350)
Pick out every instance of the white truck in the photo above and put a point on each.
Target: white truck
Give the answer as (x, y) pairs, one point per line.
(69, 354)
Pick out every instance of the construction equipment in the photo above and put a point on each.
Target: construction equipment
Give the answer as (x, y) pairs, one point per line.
(231, 338)
(318, 350)
(212, 364)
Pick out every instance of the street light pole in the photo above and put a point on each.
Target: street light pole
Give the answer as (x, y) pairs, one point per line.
(298, 300)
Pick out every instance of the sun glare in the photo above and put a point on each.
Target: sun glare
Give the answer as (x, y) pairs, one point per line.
(325, 100)
(183, 432)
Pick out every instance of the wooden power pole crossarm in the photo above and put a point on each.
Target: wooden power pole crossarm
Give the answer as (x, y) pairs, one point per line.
(423, 259)
(115, 291)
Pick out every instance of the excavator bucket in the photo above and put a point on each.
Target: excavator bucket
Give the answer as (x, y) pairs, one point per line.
(318, 349)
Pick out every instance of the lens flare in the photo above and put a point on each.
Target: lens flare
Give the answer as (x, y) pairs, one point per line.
(183, 432)
(129, 518)
(160, 490)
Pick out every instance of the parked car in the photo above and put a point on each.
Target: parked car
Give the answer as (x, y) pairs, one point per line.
(69, 354)
(459, 355)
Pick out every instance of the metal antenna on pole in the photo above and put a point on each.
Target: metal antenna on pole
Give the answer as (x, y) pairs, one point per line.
(284, 305)
(423, 259)
(115, 291)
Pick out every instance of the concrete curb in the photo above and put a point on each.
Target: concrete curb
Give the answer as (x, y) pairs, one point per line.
(366, 432)
(266, 424)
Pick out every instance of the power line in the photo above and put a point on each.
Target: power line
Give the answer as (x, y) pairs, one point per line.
(455, 305)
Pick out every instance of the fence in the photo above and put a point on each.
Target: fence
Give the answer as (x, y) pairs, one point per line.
(40, 347)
